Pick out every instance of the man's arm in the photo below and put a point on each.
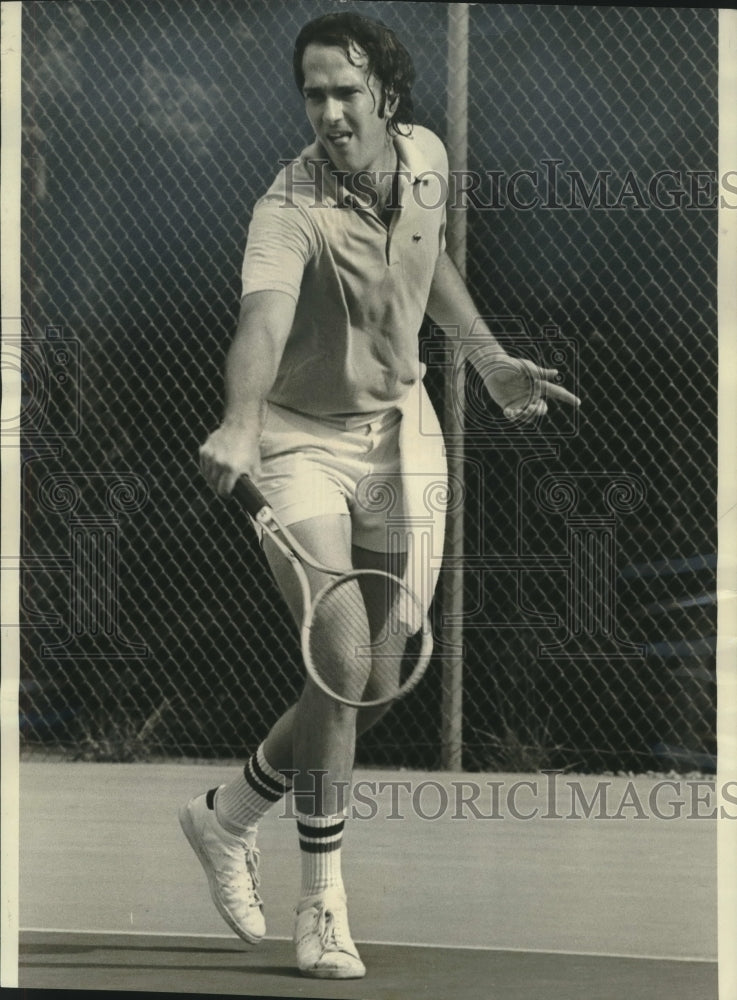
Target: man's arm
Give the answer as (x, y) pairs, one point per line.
(250, 371)
(520, 387)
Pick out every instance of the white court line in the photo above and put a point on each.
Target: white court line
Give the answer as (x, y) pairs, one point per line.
(384, 944)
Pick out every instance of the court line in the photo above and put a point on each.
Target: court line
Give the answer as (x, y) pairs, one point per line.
(186, 935)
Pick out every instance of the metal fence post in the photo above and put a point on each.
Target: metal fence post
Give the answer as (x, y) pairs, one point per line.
(452, 578)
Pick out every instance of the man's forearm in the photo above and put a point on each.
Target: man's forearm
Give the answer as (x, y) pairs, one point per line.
(253, 359)
(450, 306)
(520, 387)
(250, 371)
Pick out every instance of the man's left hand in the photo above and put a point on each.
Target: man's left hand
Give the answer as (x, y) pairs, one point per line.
(521, 388)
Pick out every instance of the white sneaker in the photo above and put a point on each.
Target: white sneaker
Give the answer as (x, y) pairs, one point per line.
(231, 865)
(325, 949)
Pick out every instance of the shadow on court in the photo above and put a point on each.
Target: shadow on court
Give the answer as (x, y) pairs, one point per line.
(202, 965)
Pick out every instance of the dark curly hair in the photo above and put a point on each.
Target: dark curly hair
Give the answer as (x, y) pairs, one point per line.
(388, 60)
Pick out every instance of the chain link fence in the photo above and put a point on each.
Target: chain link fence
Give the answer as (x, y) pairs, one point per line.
(150, 625)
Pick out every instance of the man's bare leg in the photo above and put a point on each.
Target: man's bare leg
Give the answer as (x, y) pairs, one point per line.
(279, 744)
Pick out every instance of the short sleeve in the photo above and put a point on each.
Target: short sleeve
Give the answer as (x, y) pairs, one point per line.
(279, 245)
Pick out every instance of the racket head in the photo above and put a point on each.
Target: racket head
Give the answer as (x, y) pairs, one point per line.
(387, 666)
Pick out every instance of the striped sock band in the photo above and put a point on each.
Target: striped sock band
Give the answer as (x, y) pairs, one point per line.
(320, 842)
(241, 803)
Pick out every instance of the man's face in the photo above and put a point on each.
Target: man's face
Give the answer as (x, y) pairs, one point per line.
(343, 108)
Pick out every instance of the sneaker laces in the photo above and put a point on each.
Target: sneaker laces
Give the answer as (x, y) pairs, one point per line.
(252, 857)
(231, 877)
(334, 935)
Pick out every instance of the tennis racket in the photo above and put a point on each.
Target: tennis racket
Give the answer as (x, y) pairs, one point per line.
(340, 656)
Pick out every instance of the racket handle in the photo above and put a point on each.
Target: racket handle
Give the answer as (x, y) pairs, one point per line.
(246, 493)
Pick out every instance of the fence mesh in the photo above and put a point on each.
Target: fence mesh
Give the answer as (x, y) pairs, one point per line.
(150, 625)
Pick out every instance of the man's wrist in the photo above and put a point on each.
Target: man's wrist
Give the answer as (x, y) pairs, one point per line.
(479, 350)
(243, 426)
(244, 418)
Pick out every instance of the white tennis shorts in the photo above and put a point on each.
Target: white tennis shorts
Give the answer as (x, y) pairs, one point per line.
(311, 466)
(387, 471)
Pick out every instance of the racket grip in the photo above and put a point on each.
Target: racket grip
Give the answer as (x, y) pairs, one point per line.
(246, 493)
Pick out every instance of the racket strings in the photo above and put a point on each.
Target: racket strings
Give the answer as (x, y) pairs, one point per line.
(340, 641)
(359, 656)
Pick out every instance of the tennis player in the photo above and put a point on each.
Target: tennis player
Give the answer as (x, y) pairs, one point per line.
(345, 255)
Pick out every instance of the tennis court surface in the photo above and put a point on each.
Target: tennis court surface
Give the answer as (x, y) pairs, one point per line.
(594, 908)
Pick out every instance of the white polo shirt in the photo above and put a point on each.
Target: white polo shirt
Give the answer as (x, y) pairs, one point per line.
(361, 287)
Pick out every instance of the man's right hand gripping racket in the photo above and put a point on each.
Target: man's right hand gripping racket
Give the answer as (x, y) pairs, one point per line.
(366, 672)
